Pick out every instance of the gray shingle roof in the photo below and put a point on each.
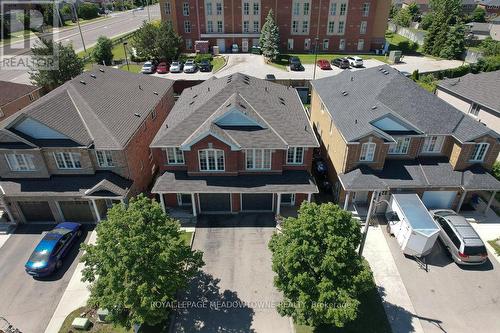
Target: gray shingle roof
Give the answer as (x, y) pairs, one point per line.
(276, 106)
(482, 88)
(102, 111)
(10, 91)
(356, 99)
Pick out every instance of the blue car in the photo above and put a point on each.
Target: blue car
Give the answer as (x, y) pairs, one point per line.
(54, 246)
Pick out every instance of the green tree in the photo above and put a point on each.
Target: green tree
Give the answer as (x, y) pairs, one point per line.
(270, 37)
(139, 259)
(67, 10)
(317, 266)
(414, 11)
(103, 51)
(66, 63)
(426, 21)
(495, 171)
(87, 11)
(403, 17)
(490, 47)
(478, 15)
(157, 41)
(455, 42)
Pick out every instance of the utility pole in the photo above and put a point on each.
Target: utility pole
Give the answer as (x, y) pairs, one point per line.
(79, 27)
(149, 14)
(126, 58)
(315, 56)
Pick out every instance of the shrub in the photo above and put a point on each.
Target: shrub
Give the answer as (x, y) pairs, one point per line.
(200, 57)
(88, 11)
(103, 51)
(415, 75)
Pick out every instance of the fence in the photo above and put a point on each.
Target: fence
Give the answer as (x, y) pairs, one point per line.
(413, 35)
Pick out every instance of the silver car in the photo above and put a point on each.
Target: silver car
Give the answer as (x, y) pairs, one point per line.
(460, 239)
(176, 67)
(190, 66)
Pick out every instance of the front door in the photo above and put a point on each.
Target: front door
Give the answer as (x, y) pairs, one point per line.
(221, 43)
(244, 45)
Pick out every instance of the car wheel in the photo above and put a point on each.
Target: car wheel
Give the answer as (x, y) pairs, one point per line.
(58, 264)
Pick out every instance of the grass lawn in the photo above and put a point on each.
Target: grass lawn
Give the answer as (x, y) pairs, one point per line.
(133, 68)
(495, 245)
(398, 42)
(371, 318)
(186, 236)
(217, 63)
(17, 36)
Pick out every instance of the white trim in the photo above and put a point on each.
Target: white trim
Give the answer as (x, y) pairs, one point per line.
(215, 157)
(254, 152)
(295, 156)
(105, 158)
(64, 160)
(27, 159)
(368, 145)
(402, 145)
(186, 145)
(476, 153)
(175, 156)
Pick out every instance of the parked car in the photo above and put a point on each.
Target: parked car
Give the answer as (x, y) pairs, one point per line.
(48, 255)
(162, 68)
(342, 63)
(270, 77)
(190, 66)
(460, 238)
(205, 66)
(295, 64)
(324, 64)
(148, 68)
(256, 50)
(235, 48)
(355, 61)
(176, 67)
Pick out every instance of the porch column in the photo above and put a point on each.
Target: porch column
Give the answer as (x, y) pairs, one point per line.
(278, 206)
(96, 210)
(193, 204)
(7, 209)
(346, 203)
(490, 201)
(309, 196)
(162, 202)
(460, 203)
(367, 221)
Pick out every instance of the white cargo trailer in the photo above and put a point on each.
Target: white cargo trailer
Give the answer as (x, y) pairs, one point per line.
(411, 223)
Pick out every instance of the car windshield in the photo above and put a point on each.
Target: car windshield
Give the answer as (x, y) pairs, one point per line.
(40, 256)
(474, 250)
(147, 65)
(175, 63)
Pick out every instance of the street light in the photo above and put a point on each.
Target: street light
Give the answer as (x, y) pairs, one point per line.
(315, 56)
(125, 51)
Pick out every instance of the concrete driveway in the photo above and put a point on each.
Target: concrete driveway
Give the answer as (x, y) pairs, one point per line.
(29, 303)
(451, 298)
(234, 292)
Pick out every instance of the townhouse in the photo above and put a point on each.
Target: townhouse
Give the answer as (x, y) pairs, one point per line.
(338, 25)
(381, 134)
(15, 96)
(82, 147)
(235, 144)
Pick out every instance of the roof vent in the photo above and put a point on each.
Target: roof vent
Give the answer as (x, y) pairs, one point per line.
(228, 105)
(380, 68)
(195, 96)
(101, 70)
(137, 115)
(282, 101)
(191, 103)
(244, 107)
(155, 92)
(305, 128)
(374, 107)
(93, 76)
(355, 121)
(208, 88)
(352, 78)
(140, 88)
(345, 93)
(267, 89)
(83, 82)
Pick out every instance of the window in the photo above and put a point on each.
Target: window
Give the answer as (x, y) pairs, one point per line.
(295, 26)
(307, 43)
(189, 46)
(258, 159)
(342, 44)
(209, 8)
(210, 26)
(433, 144)
(361, 44)
(367, 152)
(331, 27)
(343, 8)
(362, 27)
(220, 28)
(295, 155)
(305, 26)
(168, 10)
(333, 9)
(365, 9)
(400, 147)
(246, 8)
(341, 27)
(474, 109)
(326, 43)
(306, 8)
(68, 160)
(256, 8)
(296, 9)
(290, 44)
(218, 8)
(479, 152)
(256, 26)
(104, 158)
(187, 26)
(175, 155)
(20, 162)
(185, 9)
(246, 26)
(211, 160)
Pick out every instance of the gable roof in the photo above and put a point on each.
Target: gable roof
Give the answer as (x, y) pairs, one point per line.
(482, 88)
(356, 99)
(279, 115)
(101, 107)
(10, 91)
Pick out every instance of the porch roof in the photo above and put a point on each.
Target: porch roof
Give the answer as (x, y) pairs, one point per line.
(287, 182)
(419, 173)
(68, 186)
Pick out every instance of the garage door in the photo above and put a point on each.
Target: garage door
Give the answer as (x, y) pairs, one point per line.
(439, 199)
(215, 202)
(76, 211)
(36, 211)
(257, 202)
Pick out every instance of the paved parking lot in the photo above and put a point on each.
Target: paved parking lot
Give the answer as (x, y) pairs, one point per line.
(25, 302)
(235, 288)
(451, 298)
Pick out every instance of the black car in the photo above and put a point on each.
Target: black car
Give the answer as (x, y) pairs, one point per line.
(295, 64)
(205, 66)
(341, 63)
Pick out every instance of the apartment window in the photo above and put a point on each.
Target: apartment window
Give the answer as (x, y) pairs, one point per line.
(296, 8)
(479, 152)
(400, 147)
(342, 44)
(307, 44)
(331, 27)
(295, 26)
(361, 44)
(210, 26)
(218, 8)
(104, 158)
(168, 9)
(306, 8)
(258, 159)
(189, 44)
(333, 9)
(305, 26)
(209, 8)
(365, 9)
(246, 8)
(474, 109)
(20, 162)
(341, 27)
(362, 27)
(326, 44)
(256, 26)
(220, 28)
(185, 9)
(289, 44)
(256, 8)
(175, 155)
(343, 8)
(367, 152)
(295, 155)
(433, 144)
(187, 26)
(211, 160)
(68, 160)
(246, 26)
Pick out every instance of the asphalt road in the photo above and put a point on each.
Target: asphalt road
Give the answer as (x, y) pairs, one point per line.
(117, 24)
(29, 303)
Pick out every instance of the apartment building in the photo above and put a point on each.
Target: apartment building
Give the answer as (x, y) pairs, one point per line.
(82, 147)
(338, 25)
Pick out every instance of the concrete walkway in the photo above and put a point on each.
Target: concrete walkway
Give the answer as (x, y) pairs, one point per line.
(395, 298)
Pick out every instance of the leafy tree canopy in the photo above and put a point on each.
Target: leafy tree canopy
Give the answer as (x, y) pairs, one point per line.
(270, 37)
(103, 51)
(87, 11)
(478, 15)
(157, 41)
(318, 268)
(139, 258)
(490, 47)
(403, 17)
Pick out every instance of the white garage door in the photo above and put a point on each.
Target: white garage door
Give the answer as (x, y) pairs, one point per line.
(439, 199)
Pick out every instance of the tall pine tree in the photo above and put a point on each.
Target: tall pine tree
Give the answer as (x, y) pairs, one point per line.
(270, 37)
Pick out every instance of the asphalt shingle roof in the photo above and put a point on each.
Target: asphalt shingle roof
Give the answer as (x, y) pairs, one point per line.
(482, 88)
(101, 108)
(356, 99)
(10, 91)
(277, 107)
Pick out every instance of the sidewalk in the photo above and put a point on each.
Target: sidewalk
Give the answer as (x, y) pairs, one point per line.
(397, 303)
(75, 296)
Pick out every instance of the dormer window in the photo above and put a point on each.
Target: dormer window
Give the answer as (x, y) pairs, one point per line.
(66, 160)
(433, 144)
(211, 159)
(104, 158)
(400, 147)
(367, 152)
(20, 162)
(479, 152)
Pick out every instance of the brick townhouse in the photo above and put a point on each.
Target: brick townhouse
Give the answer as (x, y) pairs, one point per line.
(235, 144)
(15, 96)
(339, 25)
(83, 146)
(381, 133)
